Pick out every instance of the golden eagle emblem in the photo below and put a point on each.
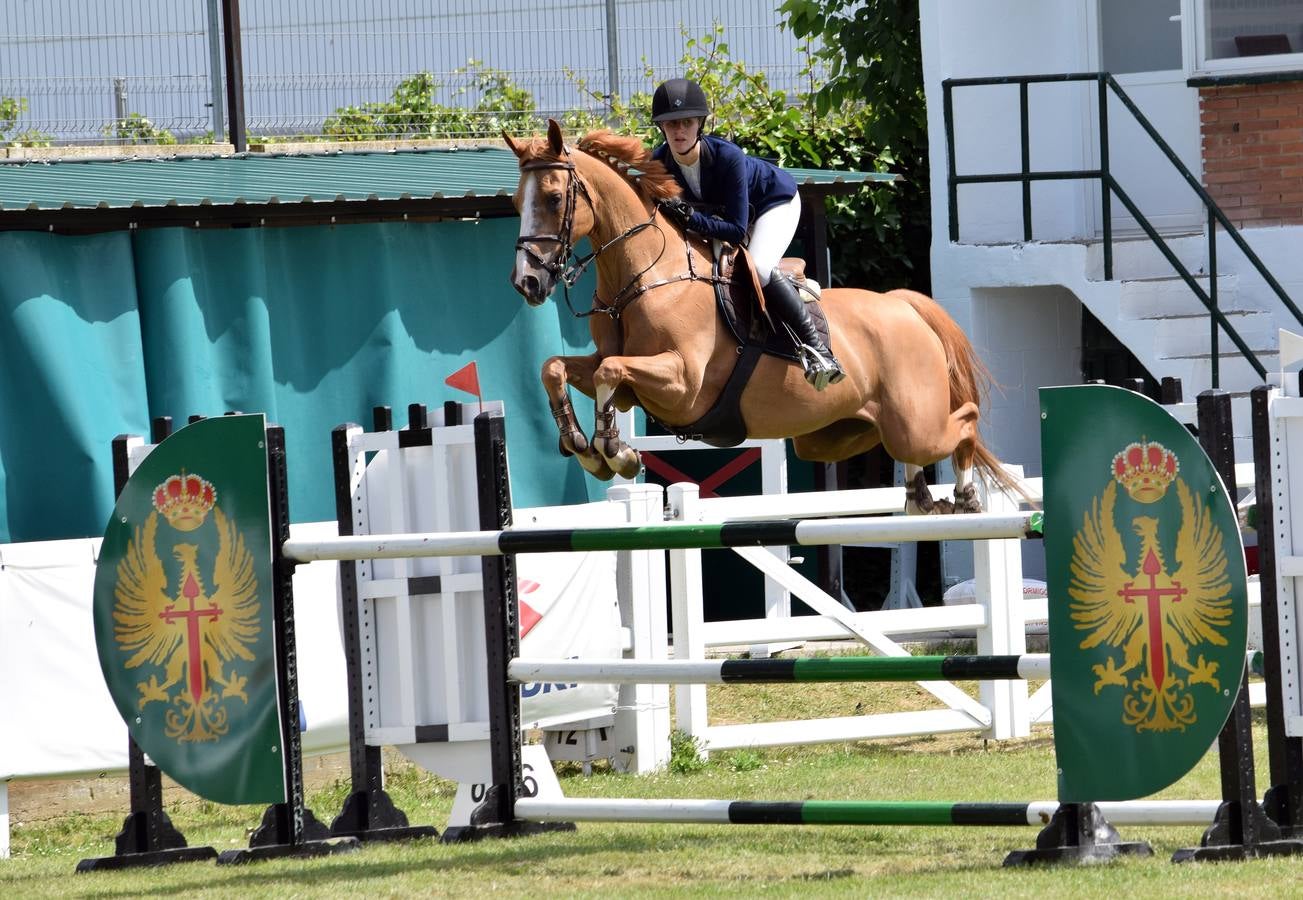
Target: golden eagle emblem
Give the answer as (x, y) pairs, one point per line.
(194, 627)
(1156, 617)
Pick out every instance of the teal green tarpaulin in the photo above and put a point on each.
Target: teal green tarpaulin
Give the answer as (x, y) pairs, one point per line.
(313, 326)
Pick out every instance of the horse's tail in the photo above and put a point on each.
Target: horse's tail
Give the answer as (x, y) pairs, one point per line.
(969, 380)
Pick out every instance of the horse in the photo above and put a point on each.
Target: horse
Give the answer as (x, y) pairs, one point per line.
(913, 381)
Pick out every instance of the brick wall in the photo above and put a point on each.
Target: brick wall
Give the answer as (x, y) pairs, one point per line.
(1253, 151)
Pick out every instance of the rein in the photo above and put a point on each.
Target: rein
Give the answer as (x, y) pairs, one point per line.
(569, 274)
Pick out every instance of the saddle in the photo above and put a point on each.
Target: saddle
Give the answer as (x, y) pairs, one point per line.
(741, 304)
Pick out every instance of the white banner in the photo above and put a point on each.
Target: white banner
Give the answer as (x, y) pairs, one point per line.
(56, 715)
(568, 610)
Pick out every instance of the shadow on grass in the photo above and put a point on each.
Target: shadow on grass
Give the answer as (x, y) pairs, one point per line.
(506, 856)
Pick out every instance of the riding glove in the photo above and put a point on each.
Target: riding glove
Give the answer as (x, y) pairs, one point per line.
(677, 210)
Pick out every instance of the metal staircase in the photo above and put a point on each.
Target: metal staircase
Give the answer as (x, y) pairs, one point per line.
(1164, 297)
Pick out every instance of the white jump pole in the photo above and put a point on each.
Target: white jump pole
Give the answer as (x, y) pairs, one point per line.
(806, 532)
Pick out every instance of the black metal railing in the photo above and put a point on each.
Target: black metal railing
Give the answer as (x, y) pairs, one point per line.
(1108, 187)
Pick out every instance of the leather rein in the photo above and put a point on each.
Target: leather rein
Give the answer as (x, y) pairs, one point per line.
(568, 273)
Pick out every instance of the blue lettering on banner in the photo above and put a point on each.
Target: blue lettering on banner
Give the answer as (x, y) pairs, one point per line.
(534, 688)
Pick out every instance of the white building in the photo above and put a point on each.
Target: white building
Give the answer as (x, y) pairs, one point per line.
(1221, 81)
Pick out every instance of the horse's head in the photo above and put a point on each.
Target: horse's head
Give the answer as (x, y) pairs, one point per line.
(551, 217)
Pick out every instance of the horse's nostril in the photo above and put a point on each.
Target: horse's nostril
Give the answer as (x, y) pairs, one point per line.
(529, 285)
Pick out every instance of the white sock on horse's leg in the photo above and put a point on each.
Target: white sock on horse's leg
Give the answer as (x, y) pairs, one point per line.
(963, 478)
(916, 503)
(966, 491)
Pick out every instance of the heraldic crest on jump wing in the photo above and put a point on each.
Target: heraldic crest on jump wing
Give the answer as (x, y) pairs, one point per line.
(1156, 609)
(189, 628)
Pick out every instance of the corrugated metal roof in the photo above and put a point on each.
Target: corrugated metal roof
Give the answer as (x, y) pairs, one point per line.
(267, 179)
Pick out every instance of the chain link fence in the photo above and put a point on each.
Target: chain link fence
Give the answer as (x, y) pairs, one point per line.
(142, 71)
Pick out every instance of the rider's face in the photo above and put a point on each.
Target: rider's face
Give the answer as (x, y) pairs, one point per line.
(681, 134)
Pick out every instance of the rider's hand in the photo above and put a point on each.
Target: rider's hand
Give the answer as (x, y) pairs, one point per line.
(677, 211)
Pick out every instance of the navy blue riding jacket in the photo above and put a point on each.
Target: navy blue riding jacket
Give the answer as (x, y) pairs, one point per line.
(741, 187)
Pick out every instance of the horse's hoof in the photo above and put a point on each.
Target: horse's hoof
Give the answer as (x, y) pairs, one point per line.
(966, 500)
(596, 466)
(562, 448)
(942, 507)
(627, 463)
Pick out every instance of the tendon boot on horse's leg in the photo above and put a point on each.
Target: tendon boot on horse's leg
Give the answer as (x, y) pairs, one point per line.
(623, 459)
(571, 442)
(918, 496)
(966, 500)
(783, 300)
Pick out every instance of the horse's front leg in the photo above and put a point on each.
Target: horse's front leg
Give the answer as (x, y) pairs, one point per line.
(658, 378)
(558, 373)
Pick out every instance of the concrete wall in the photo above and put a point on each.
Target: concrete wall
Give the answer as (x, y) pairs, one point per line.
(1008, 37)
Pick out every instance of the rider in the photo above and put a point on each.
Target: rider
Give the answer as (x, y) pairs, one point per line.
(717, 173)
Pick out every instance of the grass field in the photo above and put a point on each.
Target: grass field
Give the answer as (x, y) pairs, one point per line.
(601, 860)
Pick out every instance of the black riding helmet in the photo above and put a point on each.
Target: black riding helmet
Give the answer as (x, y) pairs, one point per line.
(679, 98)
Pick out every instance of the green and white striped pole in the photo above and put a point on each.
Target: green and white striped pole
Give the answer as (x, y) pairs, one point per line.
(752, 671)
(837, 812)
(676, 536)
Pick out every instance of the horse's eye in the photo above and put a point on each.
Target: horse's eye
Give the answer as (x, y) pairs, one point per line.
(554, 200)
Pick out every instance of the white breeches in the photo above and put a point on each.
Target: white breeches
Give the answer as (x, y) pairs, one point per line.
(771, 234)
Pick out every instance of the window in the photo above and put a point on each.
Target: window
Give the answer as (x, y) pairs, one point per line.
(1248, 35)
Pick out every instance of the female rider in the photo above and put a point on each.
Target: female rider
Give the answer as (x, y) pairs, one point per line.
(745, 194)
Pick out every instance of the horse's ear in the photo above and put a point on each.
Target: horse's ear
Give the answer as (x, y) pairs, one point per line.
(554, 139)
(515, 148)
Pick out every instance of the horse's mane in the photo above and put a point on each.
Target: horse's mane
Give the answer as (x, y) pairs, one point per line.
(622, 153)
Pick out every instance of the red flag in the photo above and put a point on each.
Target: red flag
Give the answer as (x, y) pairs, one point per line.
(467, 379)
(529, 617)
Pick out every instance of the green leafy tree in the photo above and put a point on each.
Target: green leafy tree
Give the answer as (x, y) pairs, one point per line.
(873, 57)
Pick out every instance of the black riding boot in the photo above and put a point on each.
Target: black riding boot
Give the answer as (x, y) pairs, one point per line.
(786, 306)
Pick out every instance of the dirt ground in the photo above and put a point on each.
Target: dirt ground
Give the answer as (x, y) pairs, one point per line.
(37, 800)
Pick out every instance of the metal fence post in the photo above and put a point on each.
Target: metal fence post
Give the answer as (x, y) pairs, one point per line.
(612, 60)
(217, 114)
(234, 73)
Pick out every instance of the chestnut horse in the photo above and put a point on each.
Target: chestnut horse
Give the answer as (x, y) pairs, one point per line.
(912, 378)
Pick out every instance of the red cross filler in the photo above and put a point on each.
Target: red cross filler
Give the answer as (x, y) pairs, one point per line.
(192, 616)
(1154, 595)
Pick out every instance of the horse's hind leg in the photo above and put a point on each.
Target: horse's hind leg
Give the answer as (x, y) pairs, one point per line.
(961, 428)
(964, 422)
(558, 372)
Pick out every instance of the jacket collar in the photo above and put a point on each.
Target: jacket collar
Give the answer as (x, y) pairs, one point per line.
(707, 154)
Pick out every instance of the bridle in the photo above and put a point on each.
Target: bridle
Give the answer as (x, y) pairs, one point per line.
(556, 267)
(568, 273)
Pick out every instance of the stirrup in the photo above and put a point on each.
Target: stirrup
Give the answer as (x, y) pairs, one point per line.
(820, 370)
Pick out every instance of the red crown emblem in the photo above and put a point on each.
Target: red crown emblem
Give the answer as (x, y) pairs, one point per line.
(1146, 470)
(185, 500)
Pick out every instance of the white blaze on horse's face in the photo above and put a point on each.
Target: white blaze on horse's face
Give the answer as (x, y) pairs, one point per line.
(540, 199)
